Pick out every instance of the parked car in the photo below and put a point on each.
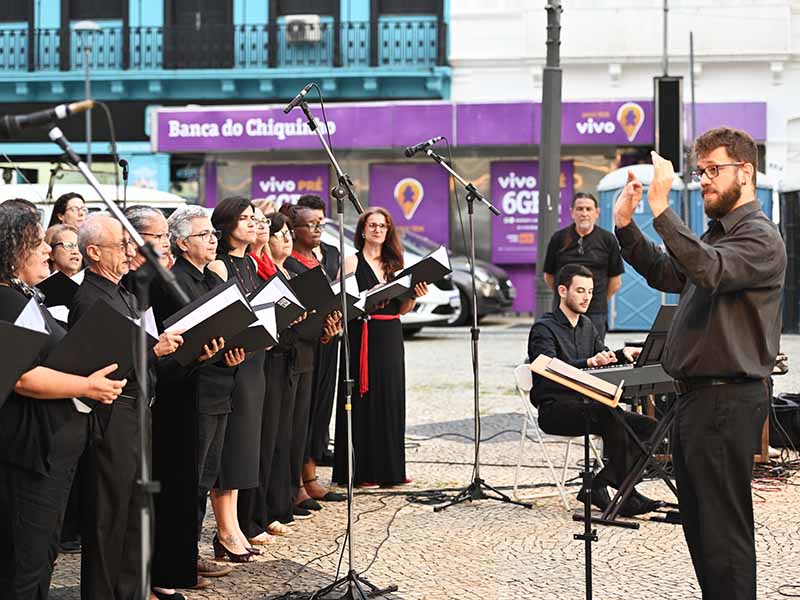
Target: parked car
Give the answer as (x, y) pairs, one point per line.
(437, 307)
(496, 292)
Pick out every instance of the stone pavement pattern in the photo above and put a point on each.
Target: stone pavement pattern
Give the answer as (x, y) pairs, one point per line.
(489, 550)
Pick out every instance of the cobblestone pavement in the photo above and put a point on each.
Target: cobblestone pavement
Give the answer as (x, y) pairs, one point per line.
(490, 550)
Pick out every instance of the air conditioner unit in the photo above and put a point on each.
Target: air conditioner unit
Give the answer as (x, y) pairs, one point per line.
(303, 29)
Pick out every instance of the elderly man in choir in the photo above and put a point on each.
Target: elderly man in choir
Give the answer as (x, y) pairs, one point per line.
(111, 556)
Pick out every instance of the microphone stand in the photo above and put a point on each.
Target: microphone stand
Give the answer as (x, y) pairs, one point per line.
(478, 489)
(124, 164)
(344, 189)
(151, 268)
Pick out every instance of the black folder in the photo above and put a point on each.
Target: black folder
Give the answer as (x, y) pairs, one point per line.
(102, 336)
(260, 334)
(430, 269)
(275, 291)
(24, 346)
(313, 327)
(225, 321)
(58, 289)
(387, 291)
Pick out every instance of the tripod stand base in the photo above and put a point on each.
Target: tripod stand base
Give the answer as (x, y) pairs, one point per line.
(611, 522)
(358, 588)
(477, 490)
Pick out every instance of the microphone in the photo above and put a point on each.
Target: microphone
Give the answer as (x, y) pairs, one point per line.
(298, 99)
(13, 125)
(124, 164)
(412, 150)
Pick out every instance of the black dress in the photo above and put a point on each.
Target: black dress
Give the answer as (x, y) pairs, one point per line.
(379, 417)
(241, 452)
(41, 442)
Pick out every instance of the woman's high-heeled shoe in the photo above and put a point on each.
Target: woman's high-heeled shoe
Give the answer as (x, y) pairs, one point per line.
(221, 551)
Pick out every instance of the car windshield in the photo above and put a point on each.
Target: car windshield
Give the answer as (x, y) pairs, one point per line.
(418, 243)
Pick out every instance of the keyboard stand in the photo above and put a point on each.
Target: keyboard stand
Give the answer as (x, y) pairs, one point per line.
(610, 515)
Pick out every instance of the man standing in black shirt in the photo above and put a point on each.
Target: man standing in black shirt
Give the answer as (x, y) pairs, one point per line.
(567, 334)
(583, 243)
(721, 347)
(111, 536)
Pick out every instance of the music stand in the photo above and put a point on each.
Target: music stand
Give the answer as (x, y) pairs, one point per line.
(591, 389)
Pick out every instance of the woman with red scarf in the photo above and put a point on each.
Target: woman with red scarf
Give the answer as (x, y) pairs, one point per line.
(259, 251)
(378, 363)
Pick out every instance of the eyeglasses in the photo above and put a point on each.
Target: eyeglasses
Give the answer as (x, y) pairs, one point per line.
(377, 226)
(80, 210)
(160, 238)
(263, 223)
(251, 218)
(206, 236)
(311, 226)
(712, 171)
(68, 246)
(121, 246)
(283, 234)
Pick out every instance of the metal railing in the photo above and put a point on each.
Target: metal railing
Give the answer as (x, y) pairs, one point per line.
(392, 43)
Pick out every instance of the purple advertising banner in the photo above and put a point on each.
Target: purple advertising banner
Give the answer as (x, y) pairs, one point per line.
(607, 123)
(286, 183)
(515, 191)
(416, 195)
(238, 128)
(748, 116)
(397, 124)
(524, 279)
(507, 124)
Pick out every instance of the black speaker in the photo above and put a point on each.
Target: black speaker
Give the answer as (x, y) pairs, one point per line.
(668, 103)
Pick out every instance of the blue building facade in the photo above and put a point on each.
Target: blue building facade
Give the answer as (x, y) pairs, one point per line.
(145, 53)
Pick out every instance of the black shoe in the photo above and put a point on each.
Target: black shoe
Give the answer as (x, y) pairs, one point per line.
(638, 504)
(600, 497)
(301, 513)
(163, 596)
(326, 460)
(309, 504)
(70, 546)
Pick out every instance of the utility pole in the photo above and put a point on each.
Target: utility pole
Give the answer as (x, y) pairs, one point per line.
(549, 153)
(665, 50)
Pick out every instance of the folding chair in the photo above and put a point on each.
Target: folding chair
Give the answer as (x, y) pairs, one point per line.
(524, 383)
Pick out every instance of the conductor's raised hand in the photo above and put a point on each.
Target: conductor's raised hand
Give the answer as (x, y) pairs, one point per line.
(167, 344)
(211, 348)
(234, 357)
(628, 200)
(663, 176)
(103, 389)
(420, 289)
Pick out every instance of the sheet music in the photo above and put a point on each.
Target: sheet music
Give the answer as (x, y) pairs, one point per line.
(220, 301)
(273, 292)
(440, 255)
(59, 313)
(31, 318)
(350, 286)
(266, 319)
(149, 323)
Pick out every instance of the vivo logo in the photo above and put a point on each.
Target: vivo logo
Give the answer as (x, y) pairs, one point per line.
(592, 127)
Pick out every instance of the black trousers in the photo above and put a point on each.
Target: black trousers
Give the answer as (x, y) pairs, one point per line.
(112, 530)
(210, 437)
(717, 431)
(31, 514)
(565, 416)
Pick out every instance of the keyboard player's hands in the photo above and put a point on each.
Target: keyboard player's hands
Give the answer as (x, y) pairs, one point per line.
(601, 359)
(631, 353)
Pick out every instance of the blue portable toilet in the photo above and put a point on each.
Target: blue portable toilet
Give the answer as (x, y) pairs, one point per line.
(698, 220)
(634, 306)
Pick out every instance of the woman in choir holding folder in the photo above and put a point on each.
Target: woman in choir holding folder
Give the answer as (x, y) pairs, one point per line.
(42, 435)
(236, 221)
(377, 363)
(64, 253)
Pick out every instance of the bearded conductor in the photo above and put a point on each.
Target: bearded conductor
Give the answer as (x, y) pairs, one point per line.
(720, 349)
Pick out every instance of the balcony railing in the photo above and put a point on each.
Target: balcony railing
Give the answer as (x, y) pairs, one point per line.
(393, 43)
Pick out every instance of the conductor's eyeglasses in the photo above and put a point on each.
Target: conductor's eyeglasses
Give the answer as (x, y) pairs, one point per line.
(712, 171)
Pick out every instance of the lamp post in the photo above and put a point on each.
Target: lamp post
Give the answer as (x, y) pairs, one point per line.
(87, 30)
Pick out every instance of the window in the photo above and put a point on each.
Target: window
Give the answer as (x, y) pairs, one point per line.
(13, 10)
(306, 7)
(95, 9)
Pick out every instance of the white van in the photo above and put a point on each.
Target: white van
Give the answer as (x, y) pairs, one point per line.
(37, 194)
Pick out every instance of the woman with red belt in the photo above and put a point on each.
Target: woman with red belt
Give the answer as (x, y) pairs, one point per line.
(377, 363)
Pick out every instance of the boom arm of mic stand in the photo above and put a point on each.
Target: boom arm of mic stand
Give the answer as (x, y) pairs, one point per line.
(345, 183)
(471, 189)
(146, 249)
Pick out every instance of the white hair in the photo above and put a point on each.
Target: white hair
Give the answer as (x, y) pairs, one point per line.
(180, 224)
